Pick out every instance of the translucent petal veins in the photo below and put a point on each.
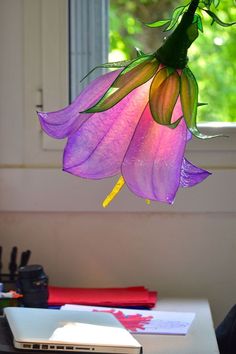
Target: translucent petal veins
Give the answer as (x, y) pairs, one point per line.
(164, 92)
(152, 164)
(65, 122)
(134, 75)
(98, 147)
(189, 101)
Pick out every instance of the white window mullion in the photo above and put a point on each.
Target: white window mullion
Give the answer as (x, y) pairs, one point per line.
(88, 40)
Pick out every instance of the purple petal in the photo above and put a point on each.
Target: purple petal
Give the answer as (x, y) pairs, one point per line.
(97, 149)
(152, 164)
(62, 123)
(191, 175)
(189, 135)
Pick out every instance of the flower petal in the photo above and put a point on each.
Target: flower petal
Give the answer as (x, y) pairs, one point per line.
(137, 73)
(191, 175)
(62, 123)
(97, 149)
(164, 92)
(152, 164)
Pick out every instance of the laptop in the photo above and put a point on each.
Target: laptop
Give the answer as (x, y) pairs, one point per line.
(68, 330)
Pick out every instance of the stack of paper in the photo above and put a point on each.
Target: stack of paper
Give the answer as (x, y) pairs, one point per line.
(145, 321)
(114, 297)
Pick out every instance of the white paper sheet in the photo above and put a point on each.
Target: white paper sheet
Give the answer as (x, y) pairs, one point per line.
(145, 321)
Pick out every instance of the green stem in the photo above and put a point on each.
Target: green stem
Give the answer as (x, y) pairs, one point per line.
(193, 6)
(174, 51)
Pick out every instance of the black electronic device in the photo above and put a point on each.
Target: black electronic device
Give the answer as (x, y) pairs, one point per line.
(33, 284)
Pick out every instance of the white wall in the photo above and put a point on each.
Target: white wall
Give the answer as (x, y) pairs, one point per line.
(178, 254)
(11, 80)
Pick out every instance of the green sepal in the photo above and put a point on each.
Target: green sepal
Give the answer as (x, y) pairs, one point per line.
(189, 102)
(164, 92)
(135, 74)
(202, 104)
(199, 135)
(189, 98)
(175, 124)
(218, 20)
(114, 65)
(175, 17)
(159, 23)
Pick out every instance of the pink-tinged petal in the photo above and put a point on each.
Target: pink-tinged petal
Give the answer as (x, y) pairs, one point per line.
(191, 175)
(63, 123)
(152, 164)
(97, 149)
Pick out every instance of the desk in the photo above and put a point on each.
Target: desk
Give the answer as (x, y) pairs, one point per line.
(200, 339)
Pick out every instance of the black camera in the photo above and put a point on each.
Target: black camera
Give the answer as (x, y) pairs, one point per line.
(33, 285)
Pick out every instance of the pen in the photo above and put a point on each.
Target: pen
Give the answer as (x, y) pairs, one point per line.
(12, 265)
(25, 258)
(0, 262)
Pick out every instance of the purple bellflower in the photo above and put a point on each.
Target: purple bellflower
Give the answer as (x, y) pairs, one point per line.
(135, 121)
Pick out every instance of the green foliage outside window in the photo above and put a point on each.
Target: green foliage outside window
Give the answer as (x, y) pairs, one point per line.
(211, 57)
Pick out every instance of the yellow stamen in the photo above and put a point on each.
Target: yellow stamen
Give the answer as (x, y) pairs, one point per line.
(114, 192)
(148, 201)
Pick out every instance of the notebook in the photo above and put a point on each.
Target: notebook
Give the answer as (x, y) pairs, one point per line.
(49, 329)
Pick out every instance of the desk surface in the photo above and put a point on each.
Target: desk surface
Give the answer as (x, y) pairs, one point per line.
(199, 340)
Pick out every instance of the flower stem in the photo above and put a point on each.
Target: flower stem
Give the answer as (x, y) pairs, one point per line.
(174, 51)
(193, 6)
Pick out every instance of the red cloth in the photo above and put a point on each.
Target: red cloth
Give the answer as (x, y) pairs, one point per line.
(137, 296)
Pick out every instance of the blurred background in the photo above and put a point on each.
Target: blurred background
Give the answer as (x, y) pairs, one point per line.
(211, 57)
